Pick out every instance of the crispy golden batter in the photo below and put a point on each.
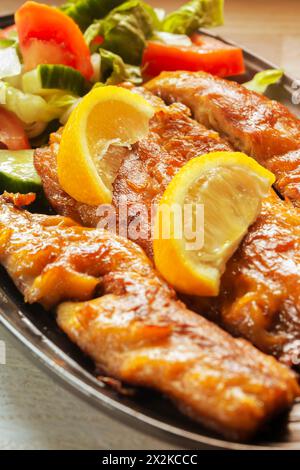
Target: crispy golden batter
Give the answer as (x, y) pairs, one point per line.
(146, 170)
(251, 122)
(137, 331)
(263, 276)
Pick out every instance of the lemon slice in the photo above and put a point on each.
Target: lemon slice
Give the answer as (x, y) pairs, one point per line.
(203, 215)
(107, 115)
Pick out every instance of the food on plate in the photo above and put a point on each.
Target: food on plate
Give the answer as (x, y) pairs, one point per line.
(126, 153)
(263, 275)
(251, 122)
(203, 53)
(52, 56)
(136, 330)
(242, 184)
(107, 115)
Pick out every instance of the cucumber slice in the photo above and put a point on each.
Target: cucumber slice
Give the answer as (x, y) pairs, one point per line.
(46, 78)
(17, 172)
(84, 12)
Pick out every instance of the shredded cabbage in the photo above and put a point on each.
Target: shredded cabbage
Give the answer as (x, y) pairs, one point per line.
(32, 108)
(262, 80)
(10, 65)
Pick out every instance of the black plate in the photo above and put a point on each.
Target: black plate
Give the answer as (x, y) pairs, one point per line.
(37, 331)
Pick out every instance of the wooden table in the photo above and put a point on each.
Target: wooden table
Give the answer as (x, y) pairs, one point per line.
(35, 413)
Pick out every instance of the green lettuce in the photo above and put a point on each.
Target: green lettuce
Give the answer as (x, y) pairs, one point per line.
(262, 80)
(31, 108)
(194, 15)
(84, 12)
(114, 70)
(125, 30)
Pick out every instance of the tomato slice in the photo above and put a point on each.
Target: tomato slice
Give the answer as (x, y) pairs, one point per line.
(206, 54)
(48, 36)
(12, 134)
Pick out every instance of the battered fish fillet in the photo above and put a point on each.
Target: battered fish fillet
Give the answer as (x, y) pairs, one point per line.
(137, 331)
(145, 171)
(251, 122)
(260, 290)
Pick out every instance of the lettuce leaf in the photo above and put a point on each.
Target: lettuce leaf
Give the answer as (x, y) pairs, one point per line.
(84, 12)
(194, 15)
(125, 30)
(262, 80)
(31, 108)
(114, 70)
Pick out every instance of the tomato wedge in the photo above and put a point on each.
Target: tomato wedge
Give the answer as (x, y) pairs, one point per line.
(48, 36)
(205, 53)
(12, 134)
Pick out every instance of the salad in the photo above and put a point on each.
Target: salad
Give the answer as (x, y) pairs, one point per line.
(51, 57)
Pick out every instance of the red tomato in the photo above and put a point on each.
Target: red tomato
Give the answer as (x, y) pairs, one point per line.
(12, 133)
(48, 36)
(206, 54)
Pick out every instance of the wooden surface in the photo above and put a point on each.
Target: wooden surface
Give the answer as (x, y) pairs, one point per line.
(35, 413)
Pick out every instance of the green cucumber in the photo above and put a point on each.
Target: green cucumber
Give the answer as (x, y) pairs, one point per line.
(17, 172)
(84, 12)
(46, 78)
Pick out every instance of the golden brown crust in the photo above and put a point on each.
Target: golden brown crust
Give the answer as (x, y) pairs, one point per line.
(263, 276)
(252, 123)
(260, 289)
(137, 331)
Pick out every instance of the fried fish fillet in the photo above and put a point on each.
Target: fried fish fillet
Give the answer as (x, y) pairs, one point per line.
(145, 170)
(260, 290)
(136, 330)
(252, 123)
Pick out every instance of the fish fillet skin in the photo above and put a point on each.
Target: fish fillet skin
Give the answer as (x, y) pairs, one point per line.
(136, 330)
(263, 277)
(251, 122)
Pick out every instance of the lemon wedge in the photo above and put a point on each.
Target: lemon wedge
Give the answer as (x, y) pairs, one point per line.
(107, 115)
(226, 189)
